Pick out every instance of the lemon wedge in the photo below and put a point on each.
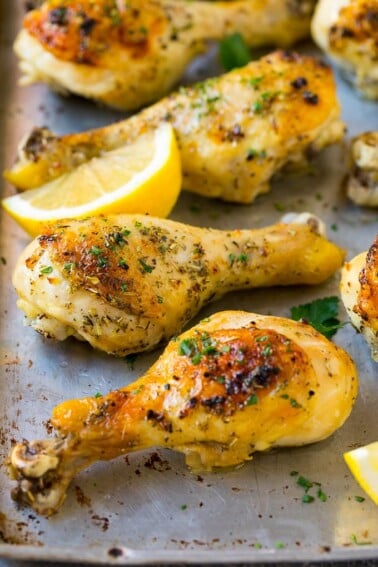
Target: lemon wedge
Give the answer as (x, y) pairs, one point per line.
(142, 177)
(363, 463)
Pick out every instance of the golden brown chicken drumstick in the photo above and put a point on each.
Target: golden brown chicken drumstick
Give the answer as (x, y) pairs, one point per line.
(234, 132)
(362, 186)
(234, 384)
(359, 292)
(348, 31)
(129, 54)
(125, 283)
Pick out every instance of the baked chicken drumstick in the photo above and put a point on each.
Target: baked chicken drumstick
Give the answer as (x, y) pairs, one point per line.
(234, 132)
(359, 292)
(129, 54)
(234, 384)
(348, 31)
(126, 283)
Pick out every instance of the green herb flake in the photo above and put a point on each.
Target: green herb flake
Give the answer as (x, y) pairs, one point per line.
(187, 347)
(279, 545)
(98, 395)
(184, 506)
(95, 251)
(304, 482)
(321, 495)
(123, 264)
(359, 542)
(322, 314)
(294, 403)
(46, 270)
(255, 81)
(267, 351)
(257, 545)
(234, 52)
(307, 499)
(252, 400)
(146, 267)
(68, 267)
(359, 499)
(196, 358)
(294, 473)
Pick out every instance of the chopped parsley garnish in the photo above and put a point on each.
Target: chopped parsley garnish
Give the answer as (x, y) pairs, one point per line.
(279, 545)
(95, 251)
(146, 267)
(234, 52)
(46, 270)
(359, 542)
(322, 314)
(252, 400)
(187, 347)
(242, 258)
(307, 484)
(252, 154)
(98, 395)
(196, 349)
(359, 499)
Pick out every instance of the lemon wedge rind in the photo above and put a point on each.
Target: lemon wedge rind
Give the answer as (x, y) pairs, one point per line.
(363, 463)
(153, 189)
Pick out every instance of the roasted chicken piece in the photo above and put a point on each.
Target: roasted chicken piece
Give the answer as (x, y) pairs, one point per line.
(362, 185)
(234, 132)
(359, 292)
(126, 283)
(129, 54)
(234, 384)
(348, 31)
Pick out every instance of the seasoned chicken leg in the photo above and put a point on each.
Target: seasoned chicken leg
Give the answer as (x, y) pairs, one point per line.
(348, 31)
(129, 54)
(362, 187)
(359, 292)
(126, 283)
(234, 132)
(234, 384)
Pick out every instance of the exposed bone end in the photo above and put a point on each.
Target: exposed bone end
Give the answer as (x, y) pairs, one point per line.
(362, 187)
(314, 222)
(40, 484)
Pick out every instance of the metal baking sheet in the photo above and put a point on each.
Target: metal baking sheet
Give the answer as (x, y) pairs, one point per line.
(148, 507)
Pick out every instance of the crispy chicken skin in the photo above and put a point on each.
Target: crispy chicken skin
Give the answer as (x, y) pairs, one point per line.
(129, 54)
(232, 385)
(359, 292)
(234, 132)
(126, 283)
(348, 31)
(362, 184)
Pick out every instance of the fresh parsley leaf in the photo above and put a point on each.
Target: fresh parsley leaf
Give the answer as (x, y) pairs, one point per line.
(234, 52)
(322, 314)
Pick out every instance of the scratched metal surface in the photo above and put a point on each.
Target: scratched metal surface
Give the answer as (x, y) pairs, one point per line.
(131, 510)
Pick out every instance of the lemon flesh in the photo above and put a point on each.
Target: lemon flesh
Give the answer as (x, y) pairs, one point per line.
(142, 177)
(363, 463)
